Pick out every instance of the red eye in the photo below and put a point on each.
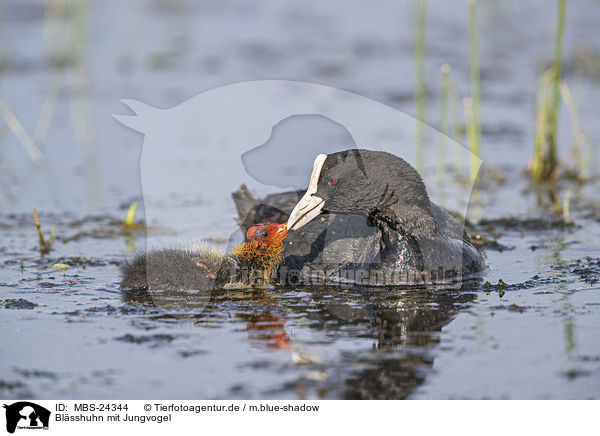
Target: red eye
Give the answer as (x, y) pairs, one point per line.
(332, 181)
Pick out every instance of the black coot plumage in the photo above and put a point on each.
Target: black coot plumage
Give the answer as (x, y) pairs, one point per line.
(365, 218)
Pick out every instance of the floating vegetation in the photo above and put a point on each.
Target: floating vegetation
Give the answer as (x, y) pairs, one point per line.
(487, 241)
(486, 233)
(110, 227)
(587, 269)
(152, 340)
(511, 307)
(500, 286)
(536, 281)
(17, 304)
(525, 224)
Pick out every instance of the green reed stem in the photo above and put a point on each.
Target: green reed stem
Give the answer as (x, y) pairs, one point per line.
(541, 123)
(475, 82)
(44, 245)
(443, 120)
(471, 137)
(556, 78)
(420, 83)
(545, 160)
(457, 127)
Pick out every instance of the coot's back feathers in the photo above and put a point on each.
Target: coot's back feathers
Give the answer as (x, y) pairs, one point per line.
(274, 208)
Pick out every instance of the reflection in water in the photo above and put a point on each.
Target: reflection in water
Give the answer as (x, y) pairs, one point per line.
(393, 332)
(266, 327)
(554, 257)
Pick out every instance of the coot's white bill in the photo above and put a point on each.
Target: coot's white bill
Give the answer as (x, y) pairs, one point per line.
(309, 205)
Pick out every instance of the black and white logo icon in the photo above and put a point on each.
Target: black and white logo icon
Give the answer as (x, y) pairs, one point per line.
(26, 415)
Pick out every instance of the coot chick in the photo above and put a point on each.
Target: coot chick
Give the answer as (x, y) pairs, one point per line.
(251, 264)
(366, 218)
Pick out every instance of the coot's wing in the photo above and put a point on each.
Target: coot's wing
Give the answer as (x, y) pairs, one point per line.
(274, 208)
(455, 240)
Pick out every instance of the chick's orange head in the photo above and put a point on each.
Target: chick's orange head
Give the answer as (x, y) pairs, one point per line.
(269, 233)
(262, 249)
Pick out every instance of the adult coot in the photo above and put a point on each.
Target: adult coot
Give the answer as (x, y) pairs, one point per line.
(253, 263)
(365, 218)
